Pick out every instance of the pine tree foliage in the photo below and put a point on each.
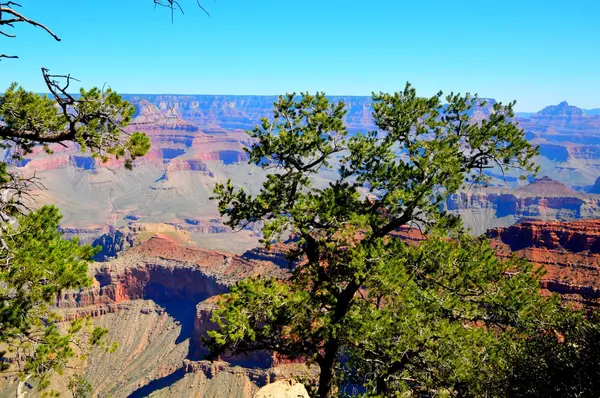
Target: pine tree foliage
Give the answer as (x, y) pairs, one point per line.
(563, 362)
(95, 120)
(36, 265)
(372, 310)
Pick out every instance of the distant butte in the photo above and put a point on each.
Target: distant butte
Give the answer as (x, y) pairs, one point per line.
(562, 109)
(595, 189)
(546, 186)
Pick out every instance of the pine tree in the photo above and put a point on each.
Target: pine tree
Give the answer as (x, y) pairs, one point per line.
(365, 306)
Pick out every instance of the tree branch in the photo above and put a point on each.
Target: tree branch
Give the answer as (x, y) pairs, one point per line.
(6, 8)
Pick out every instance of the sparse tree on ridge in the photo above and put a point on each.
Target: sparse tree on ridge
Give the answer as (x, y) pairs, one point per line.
(436, 318)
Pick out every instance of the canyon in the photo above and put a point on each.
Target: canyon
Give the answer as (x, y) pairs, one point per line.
(167, 256)
(157, 290)
(199, 140)
(568, 252)
(542, 199)
(157, 297)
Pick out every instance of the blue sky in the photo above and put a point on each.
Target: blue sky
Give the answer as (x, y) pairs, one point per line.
(537, 52)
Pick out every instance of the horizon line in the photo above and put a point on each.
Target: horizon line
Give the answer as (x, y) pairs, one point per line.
(327, 95)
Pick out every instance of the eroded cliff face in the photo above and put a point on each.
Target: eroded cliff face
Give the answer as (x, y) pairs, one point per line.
(157, 300)
(569, 252)
(152, 360)
(543, 199)
(163, 270)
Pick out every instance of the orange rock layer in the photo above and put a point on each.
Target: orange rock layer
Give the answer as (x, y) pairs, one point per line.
(569, 252)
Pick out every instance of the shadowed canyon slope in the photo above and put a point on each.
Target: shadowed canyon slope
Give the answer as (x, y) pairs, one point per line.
(156, 299)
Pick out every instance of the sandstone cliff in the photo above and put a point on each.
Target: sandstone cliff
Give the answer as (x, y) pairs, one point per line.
(157, 298)
(544, 199)
(569, 252)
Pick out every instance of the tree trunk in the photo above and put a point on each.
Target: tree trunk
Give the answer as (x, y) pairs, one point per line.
(20, 392)
(326, 365)
(332, 347)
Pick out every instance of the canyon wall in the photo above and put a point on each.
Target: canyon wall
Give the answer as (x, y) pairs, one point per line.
(158, 296)
(543, 199)
(569, 253)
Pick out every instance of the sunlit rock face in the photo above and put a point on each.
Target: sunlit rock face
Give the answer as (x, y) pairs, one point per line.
(157, 299)
(543, 199)
(569, 252)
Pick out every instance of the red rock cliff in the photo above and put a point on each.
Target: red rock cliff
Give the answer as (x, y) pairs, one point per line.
(569, 252)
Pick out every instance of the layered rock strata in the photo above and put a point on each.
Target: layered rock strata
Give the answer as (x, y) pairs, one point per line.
(569, 253)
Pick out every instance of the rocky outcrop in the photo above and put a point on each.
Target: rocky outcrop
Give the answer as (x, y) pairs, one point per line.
(561, 110)
(543, 199)
(569, 253)
(184, 284)
(203, 324)
(113, 243)
(283, 389)
(246, 382)
(546, 186)
(206, 226)
(162, 270)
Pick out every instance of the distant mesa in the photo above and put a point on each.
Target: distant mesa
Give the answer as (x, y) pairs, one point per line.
(563, 109)
(546, 186)
(592, 112)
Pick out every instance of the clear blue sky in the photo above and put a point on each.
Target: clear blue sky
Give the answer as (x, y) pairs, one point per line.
(538, 52)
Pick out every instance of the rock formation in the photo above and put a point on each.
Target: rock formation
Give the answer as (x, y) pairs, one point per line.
(157, 299)
(595, 189)
(198, 141)
(561, 110)
(283, 389)
(569, 253)
(544, 199)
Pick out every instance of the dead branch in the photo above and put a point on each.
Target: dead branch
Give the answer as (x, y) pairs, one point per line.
(172, 5)
(9, 17)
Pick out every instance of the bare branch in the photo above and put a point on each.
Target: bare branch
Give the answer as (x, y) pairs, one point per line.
(174, 4)
(9, 17)
(5, 8)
